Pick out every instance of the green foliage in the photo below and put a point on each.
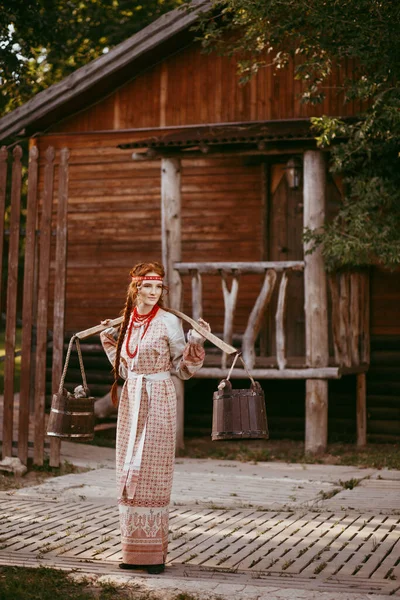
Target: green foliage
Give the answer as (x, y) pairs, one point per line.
(43, 41)
(268, 33)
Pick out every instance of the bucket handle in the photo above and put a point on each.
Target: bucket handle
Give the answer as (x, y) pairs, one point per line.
(64, 373)
(239, 355)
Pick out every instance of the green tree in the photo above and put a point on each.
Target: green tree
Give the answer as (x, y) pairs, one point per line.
(42, 41)
(269, 33)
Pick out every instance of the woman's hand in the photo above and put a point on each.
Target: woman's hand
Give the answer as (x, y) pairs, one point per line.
(194, 336)
(204, 324)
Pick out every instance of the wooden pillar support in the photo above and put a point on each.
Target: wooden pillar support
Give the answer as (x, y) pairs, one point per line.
(316, 313)
(171, 253)
(59, 289)
(11, 313)
(28, 300)
(361, 410)
(43, 305)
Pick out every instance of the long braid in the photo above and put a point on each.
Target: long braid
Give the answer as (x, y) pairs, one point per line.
(122, 332)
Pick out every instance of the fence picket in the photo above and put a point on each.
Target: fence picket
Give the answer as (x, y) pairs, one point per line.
(42, 308)
(59, 289)
(11, 314)
(3, 190)
(27, 306)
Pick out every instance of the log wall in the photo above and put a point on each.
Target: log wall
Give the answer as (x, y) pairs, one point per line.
(192, 88)
(114, 220)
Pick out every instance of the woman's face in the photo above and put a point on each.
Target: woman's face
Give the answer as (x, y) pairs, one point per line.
(149, 292)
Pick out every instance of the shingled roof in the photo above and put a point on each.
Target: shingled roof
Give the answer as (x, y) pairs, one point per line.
(101, 76)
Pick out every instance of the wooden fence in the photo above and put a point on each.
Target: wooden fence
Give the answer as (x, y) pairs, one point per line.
(45, 210)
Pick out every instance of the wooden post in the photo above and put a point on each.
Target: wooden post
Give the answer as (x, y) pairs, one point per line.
(355, 319)
(12, 291)
(42, 308)
(280, 323)
(365, 319)
(197, 296)
(171, 253)
(3, 191)
(256, 318)
(334, 289)
(27, 314)
(361, 410)
(344, 313)
(230, 299)
(316, 313)
(59, 290)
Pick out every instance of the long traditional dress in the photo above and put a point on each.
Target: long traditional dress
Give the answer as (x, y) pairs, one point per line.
(145, 447)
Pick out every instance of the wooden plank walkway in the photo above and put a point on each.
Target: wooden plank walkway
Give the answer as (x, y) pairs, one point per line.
(350, 549)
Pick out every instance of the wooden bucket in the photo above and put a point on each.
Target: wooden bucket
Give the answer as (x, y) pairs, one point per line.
(239, 414)
(71, 417)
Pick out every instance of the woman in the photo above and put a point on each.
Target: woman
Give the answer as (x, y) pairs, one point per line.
(150, 342)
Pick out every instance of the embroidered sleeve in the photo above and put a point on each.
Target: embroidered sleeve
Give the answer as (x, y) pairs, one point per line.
(187, 358)
(109, 338)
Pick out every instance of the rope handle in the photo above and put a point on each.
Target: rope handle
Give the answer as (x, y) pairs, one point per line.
(239, 355)
(64, 373)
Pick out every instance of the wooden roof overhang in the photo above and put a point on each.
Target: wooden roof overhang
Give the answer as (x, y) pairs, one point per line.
(261, 137)
(100, 77)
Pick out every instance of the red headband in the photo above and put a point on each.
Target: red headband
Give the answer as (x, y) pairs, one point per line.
(136, 278)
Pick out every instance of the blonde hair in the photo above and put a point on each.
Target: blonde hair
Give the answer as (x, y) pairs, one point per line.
(139, 270)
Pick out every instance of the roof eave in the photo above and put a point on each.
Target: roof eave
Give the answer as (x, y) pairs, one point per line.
(146, 40)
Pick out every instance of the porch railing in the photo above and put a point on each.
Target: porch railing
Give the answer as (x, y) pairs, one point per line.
(349, 308)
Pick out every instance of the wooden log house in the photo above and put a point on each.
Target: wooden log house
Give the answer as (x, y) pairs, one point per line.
(154, 151)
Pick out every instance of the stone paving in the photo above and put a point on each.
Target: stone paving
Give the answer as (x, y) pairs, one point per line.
(250, 530)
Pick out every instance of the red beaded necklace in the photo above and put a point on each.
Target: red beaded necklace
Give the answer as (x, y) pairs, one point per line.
(137, 321)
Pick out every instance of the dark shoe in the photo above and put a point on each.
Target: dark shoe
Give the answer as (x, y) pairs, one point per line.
(129, 566)
(155, 569)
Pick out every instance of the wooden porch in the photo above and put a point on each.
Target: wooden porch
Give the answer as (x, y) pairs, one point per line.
(336, 323)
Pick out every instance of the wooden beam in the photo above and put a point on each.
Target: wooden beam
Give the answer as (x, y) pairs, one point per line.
(280, 323)
(307, 373)
(230, 299)
(42, 306)
(316, 306)
(27, 306)
(355, 317)
(256, 317)
(197, 296)
(224, 150)
(365, 319)
(11, 311)
(361, 410)
(171, 254)
(334, 290)
(3, 193)
(316, 415)
(171, 226)
(59, 289)
(215, 268)
(344, 323)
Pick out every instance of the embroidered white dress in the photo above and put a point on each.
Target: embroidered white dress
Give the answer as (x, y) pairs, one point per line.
(145, 447)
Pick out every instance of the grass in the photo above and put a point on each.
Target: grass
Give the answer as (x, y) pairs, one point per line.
(37, 474)
(51, 584)
(376, 456)
(17, 583)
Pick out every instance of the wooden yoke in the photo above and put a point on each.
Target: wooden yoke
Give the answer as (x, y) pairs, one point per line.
(207, 334)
